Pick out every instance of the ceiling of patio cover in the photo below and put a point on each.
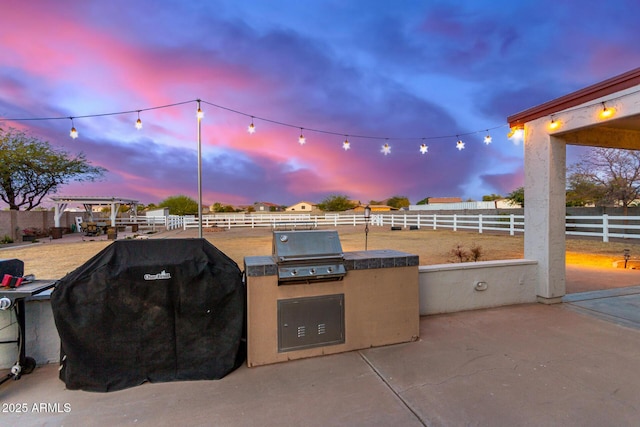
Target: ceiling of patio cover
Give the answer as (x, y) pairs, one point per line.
(150, 310)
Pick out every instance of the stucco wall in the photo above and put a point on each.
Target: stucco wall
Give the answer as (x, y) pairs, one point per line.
(448, 288)
(12, 223)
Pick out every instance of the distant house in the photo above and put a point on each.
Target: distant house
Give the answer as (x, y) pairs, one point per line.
(375, 208)
(267, 207)
(434, 200)
(302, 207)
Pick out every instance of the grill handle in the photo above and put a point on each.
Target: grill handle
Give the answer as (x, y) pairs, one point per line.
(338, 257)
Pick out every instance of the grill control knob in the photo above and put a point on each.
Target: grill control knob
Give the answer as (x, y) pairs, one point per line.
(294, 272)
(312, 271)
(330, 269)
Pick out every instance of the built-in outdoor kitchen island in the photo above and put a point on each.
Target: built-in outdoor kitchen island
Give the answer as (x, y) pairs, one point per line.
(309, 298)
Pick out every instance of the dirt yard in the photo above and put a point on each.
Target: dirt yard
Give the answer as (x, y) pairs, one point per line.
(52, 259)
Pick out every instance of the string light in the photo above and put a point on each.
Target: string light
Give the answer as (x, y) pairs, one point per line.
(73, 133)
(138, 122)
(423, 147)
(516, 132)
(459, 144)
(606, 112)
(346, 144)
(251, 128)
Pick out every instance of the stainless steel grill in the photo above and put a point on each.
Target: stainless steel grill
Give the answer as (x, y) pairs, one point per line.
(308, 256)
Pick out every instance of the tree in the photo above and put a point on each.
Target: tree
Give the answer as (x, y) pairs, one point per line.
(30, 169)
(219, 207)
(398, 202)
(581, 191)
(615, 170)
(491, 197)
(424, 201)
(516, 196)
(336, 203)
(180, 205)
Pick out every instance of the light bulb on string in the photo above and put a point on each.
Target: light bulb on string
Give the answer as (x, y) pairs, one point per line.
(251, 129)
(386, 149)
(302, 140)
(423, 147)
(606, 112)
(199, 113)
(516, 133)
(138, 122)
(459, 144)
(487, 138)
(346, 144)
(73, 133)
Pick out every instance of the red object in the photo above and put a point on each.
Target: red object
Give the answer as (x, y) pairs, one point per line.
(11, 281)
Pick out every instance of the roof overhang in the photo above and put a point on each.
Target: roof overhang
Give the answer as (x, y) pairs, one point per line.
(582, 96)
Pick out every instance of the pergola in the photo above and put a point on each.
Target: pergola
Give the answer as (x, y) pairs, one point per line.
(606, 114)
(61, 203)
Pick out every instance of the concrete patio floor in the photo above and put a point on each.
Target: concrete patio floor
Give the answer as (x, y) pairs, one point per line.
(526, 365)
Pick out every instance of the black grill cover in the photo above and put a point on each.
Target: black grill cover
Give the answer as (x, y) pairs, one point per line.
(150, 310)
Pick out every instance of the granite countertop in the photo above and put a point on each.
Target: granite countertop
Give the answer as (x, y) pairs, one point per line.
(358, 260)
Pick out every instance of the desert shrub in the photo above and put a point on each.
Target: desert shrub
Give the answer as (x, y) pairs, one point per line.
(461, 254)
(476, 252)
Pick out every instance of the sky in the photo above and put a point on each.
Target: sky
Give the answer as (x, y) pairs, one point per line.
(401, 73)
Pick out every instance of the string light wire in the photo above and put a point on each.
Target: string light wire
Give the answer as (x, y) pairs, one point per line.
(280, 123)
(253, 118)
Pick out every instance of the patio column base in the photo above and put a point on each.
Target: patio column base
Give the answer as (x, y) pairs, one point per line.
(549, 301)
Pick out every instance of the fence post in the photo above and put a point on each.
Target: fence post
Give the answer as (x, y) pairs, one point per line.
(455, 222)
(512, 224)
(435, 220)
(605, 228)
(418, 221)
(405, 221)
(479, 223)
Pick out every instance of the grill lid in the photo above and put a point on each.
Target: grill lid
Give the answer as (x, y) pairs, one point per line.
(308, 256)
(303, 245)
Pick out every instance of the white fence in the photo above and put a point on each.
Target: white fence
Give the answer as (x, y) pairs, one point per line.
(604, 227)
(505, 223)
(170, 222)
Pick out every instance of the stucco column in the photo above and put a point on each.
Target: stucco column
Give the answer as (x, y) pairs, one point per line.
(59, 211)
(544, 211)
